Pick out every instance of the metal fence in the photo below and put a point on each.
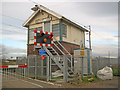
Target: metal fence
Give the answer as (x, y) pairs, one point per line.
(43, 69)
(99, 63)
(37, 68)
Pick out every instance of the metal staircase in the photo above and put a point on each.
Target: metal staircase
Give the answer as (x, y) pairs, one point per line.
(58, 59)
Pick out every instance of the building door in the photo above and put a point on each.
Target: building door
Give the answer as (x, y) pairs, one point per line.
(47, 27)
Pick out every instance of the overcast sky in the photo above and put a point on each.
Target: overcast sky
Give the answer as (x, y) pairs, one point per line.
(102, 16)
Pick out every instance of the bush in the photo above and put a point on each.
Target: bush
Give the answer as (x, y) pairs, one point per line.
(116, 72)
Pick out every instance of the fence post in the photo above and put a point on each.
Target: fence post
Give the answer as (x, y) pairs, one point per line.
(71, 62)
(82, 67)
(65, 69)
(41, 68)
(28, 66)
(35, 67)
(48, 69)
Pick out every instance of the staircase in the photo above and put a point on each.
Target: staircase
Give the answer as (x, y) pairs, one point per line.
(58, 59)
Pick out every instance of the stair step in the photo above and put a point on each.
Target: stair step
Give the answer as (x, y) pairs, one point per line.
(53, 53)
(49, 48)
(58, 60)
(54, 64)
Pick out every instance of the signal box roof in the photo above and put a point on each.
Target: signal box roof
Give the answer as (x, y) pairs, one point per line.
(38, 9)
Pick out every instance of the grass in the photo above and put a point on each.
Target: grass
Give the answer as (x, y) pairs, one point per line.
(85, 80)
(57, 77)
(116, 72)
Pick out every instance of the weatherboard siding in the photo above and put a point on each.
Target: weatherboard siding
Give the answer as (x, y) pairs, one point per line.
(74, 35)
(40, 16)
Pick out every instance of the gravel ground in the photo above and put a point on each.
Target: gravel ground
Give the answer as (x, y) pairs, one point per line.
(99, 84)
(25, 83)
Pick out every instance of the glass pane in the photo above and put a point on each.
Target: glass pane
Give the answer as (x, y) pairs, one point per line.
(55, 29)
(31, 34)
(47, 27)
(64, 28)
(39, 29)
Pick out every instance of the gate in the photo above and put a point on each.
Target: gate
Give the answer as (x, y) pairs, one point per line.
(12, 72)
(38, 68)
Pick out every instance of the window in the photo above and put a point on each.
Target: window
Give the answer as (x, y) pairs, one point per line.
(39, 29)
(47, 27)
(64, 30)
(55, 29)
(31, 33)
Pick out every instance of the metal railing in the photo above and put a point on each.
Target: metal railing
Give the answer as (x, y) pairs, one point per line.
(70, 60)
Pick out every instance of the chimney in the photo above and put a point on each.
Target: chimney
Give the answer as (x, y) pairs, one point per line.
(35, 8)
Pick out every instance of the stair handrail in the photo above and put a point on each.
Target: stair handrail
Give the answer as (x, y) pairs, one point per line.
(65, 50)
(60, 50)
(61, 45)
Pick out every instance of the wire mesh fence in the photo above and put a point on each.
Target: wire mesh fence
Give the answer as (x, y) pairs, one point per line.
(37, 68)
(99, 63)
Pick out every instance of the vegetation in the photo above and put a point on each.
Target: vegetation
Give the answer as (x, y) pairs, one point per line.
(116, 72)
(57, 77)
(92, 77)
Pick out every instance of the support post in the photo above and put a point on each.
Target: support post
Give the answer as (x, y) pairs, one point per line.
(48, 69)
(42, 68)
(24, 72)
(65, 69)
(82, 68)
(90, 37)
(71, 63)
(88, 61)
(28, 66)
(28, 42)
(35, 67)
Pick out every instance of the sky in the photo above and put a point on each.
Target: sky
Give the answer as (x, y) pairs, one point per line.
(101, 16)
